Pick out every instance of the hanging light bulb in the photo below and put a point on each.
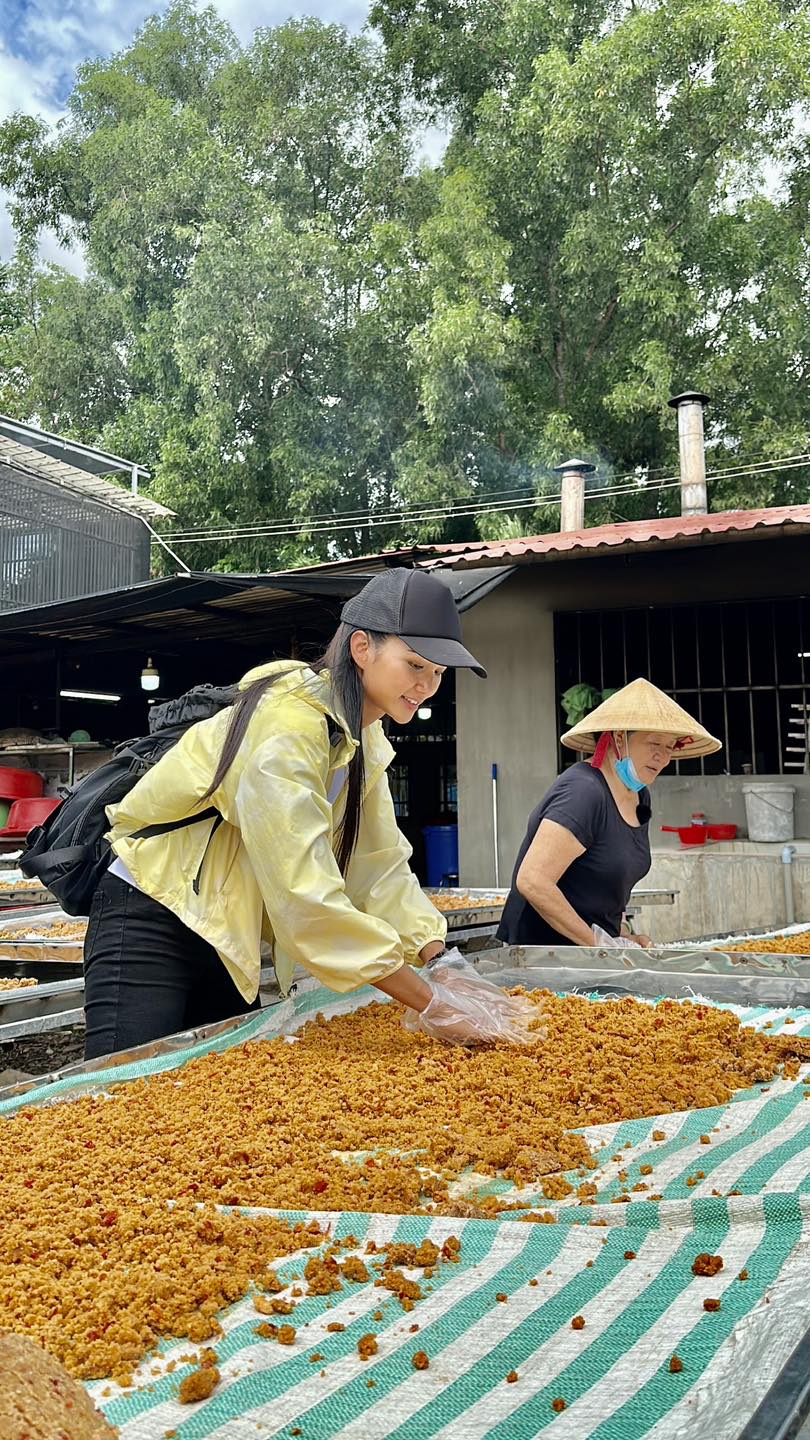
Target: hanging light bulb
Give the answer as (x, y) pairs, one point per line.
(150, 678)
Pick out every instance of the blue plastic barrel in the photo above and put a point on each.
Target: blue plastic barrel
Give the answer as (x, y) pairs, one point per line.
(441, 852)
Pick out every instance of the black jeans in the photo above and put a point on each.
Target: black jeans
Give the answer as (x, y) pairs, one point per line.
(146, 974)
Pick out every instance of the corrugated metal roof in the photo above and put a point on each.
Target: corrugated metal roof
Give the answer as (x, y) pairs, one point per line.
(30, 461)
(676, 530)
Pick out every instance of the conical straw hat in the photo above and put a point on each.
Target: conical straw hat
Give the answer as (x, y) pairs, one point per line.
(642, 706)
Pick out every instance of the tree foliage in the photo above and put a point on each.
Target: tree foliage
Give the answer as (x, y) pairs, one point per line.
(285, 315)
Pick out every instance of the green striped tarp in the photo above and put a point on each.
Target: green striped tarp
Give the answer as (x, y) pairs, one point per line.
(625, 1268)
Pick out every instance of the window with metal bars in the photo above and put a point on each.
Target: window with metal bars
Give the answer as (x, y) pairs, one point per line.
(741, 667)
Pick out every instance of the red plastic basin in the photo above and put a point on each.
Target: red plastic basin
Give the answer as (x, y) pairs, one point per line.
(25, 814)
(19, 784)
(722, 832)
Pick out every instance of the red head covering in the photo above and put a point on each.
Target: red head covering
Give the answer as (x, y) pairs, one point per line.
(603, 744)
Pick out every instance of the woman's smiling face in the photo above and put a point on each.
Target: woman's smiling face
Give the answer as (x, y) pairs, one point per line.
(396, 681)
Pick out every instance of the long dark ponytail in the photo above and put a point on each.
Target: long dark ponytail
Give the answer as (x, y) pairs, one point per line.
(347, 694)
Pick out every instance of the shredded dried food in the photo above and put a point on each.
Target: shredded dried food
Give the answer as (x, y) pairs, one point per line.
(704, 1264)
(447, 903)
(776, 945)
(90, 1183)
(353, 1269)
(40, 1401)
(198, 1385)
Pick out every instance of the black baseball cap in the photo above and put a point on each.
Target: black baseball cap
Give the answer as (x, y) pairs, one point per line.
(419, 609)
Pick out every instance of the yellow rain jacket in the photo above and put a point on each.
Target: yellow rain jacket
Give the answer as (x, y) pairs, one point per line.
(270, 870)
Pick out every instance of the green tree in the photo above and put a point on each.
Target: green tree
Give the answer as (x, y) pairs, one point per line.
(648, 174)
(284, 316)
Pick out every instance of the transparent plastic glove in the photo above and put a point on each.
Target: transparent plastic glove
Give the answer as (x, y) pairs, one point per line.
(466, 1009)
(614, 942)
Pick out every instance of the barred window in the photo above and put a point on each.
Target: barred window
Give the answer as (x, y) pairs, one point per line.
(741, 667)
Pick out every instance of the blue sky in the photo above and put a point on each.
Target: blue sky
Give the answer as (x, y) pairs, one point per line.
(43, 41)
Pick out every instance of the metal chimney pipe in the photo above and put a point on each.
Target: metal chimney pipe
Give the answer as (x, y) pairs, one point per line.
(572, 493)
(694, 500)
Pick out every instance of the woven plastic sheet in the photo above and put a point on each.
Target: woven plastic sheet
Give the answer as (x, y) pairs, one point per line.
(625, 1268)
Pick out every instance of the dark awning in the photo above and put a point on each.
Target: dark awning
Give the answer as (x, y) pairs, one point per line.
(232, 608)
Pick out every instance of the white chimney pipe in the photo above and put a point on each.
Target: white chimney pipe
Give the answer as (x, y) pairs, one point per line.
(572, 493)
(691, 445)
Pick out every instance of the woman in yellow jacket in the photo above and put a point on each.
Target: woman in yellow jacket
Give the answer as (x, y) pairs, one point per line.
(303, 852)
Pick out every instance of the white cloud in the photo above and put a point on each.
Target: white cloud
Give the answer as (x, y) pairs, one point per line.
(247, 16)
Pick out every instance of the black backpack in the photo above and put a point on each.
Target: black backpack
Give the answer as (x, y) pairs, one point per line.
(69, 853)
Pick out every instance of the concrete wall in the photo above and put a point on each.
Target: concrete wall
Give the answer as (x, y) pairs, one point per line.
(721, 798)
(724, 890)
(509, 720)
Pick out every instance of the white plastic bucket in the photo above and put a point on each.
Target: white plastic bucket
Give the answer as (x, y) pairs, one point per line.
(769, 811)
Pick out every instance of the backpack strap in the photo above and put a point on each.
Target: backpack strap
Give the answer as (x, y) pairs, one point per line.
(68, 855)
(166, 829)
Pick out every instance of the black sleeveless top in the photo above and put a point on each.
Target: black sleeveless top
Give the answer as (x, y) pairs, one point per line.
(598, 883)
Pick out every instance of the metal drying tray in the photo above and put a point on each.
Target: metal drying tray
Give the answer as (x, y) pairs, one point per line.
(471, 917)
(168, 1045)
(18, 899)
(18, 945)
(571, 969)
(60, 1003)
(40, 967)
(42, 1007)
(778, 981)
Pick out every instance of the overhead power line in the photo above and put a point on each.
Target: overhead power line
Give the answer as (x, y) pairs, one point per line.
(425, 514)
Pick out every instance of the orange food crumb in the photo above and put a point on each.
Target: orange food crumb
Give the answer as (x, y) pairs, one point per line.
(420, 1361)
(198, 1385)
(558, 1405)
(711, 1305)
(578, 1322)
(704, 1264)
(512, 1377)
(675, 1365)
(286, 1335)
(366, 1346)
(353, 1269)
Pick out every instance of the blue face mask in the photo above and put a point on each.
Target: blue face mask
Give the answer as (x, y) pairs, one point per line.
(626, 771)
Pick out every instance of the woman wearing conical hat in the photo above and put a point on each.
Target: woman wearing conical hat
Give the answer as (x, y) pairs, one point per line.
(587, 843)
